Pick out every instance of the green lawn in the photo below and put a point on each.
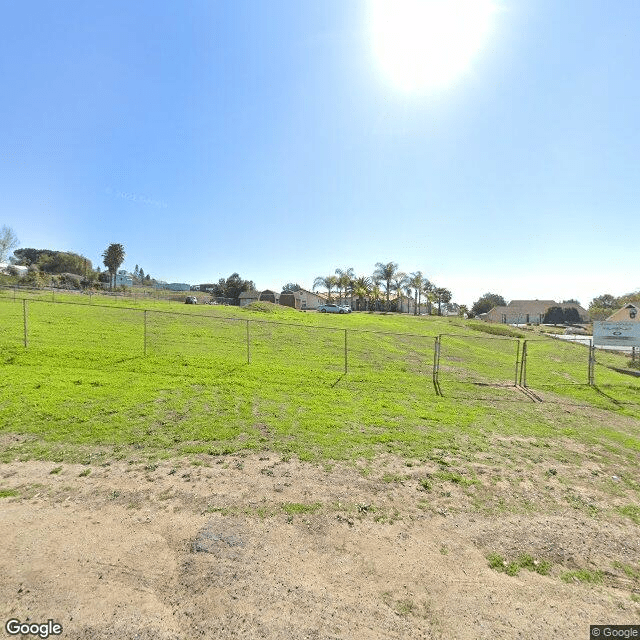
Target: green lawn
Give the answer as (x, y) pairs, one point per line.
(85, 382)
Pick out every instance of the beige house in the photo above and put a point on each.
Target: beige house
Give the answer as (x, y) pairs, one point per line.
(309, 299)
(528, 311)
(628, 313)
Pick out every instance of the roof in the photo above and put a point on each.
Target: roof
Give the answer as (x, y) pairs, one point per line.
(249, 294)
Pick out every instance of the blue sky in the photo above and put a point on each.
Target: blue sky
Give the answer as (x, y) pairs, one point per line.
(263, 137)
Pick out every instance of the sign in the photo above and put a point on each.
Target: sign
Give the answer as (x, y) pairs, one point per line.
(618, 334)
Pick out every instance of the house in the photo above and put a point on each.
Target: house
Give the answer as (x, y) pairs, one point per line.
(247, 297)
(528, 311)
(123, 279)
(628, 313)
(308, 299)
(15, 269)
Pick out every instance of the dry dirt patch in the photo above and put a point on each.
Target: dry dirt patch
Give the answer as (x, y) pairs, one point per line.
(258, 547)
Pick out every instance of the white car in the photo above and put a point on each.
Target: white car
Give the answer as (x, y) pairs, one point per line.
(334, 308)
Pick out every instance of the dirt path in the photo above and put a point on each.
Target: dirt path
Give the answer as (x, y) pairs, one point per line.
(257, 547)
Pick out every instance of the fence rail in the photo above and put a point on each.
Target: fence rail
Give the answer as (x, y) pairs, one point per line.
(449, 359)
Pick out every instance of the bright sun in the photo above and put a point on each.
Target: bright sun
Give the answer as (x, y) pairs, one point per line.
(427, 44)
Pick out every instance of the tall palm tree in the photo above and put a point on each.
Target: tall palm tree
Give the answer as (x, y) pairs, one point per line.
(427, 289)
(416, 281)
(385, 273)
(362, 288)
(328, 282)
(113, 257)
(345, 280)
(399, 284)
(375, 294)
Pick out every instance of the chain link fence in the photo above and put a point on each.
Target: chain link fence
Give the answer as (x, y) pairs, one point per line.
(451, 361)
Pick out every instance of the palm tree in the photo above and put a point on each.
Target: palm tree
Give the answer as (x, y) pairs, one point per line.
(375, 294)
(328, 282)
(345, 280)
(427, 289)
(385, 273)
(417, 282)
(362, 287)
(399, 283)
(113, 257)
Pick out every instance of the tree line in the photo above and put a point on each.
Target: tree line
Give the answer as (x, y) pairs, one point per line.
(374, 291)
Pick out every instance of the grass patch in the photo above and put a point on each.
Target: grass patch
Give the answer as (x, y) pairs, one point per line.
(583, 575)
(297, 508)
(630, 511)
(512, 568)
(8, 493)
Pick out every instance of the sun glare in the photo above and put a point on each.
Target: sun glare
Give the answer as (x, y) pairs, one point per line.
(427, 44)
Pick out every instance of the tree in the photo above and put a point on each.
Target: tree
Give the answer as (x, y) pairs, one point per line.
(605, 301)
(376, 295)
(385, 273)
(416, 281)
(571, 301)
(291, 287)
(231, 287)
(113, 257)
(328, 282)
(362, 288)
(8, 241)
(486, 303)
(602, 306)
(345, 280)
(141, 275)
(558, 315)
(399, 283)
(442, 296)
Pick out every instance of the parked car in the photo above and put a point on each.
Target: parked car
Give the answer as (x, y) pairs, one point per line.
(334, 308)
(191, 300)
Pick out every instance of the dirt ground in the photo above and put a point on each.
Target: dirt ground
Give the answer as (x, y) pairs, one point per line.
(260, 547)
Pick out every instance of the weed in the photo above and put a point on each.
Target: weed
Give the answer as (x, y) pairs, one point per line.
(55, 470)
(84, 474)
(583, 575)
(631, 511)
(425, 484)
(525, 561)
(292, 508)
(8, 493)
(456, 478)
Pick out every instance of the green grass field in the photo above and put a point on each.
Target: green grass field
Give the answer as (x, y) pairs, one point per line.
(225, 379)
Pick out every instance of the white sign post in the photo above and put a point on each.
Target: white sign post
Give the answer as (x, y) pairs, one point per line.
(616, 334)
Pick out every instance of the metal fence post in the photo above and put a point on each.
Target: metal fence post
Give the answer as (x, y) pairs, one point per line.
(26, 326)
(248, 345)
(345, 351)
(523, 365)
(592, 360)
(517, 361)
(145, 332)
(436, 365)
